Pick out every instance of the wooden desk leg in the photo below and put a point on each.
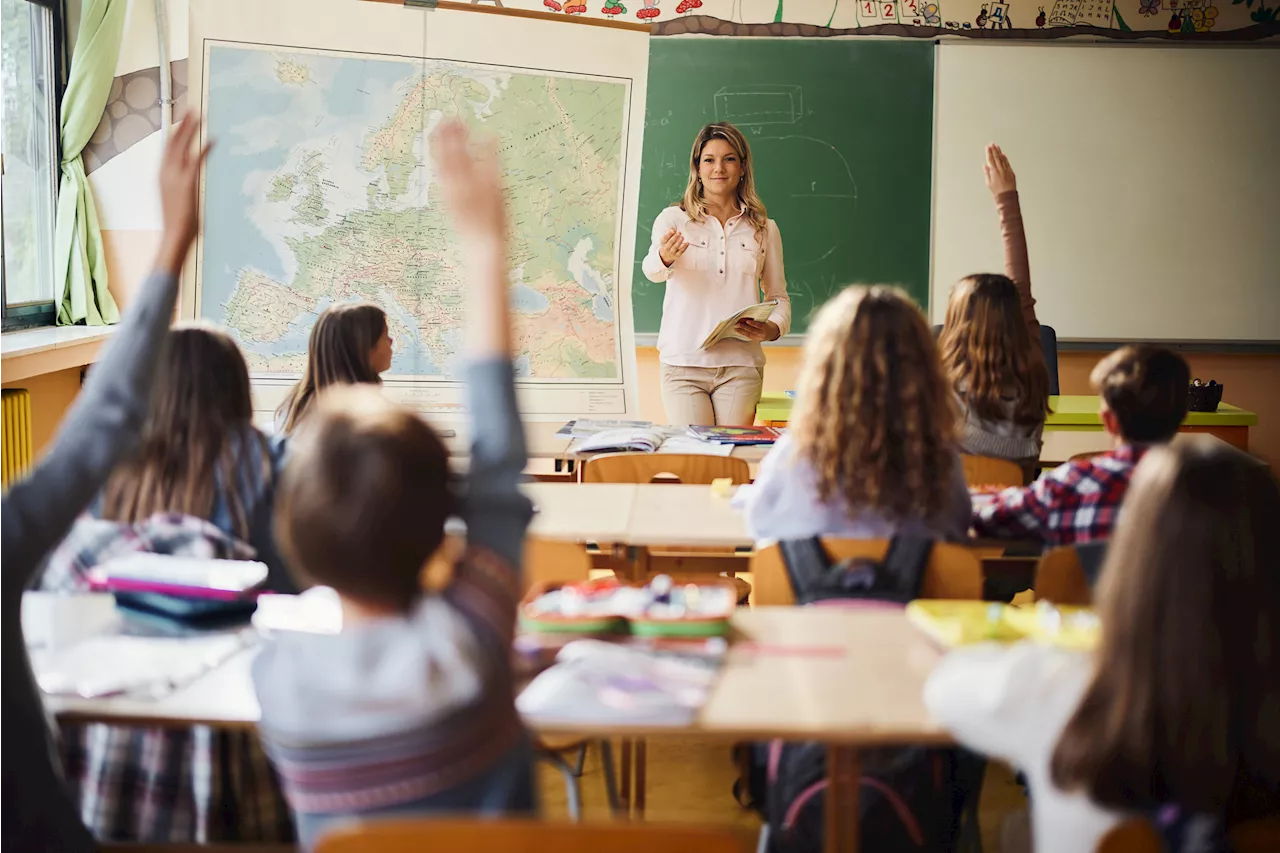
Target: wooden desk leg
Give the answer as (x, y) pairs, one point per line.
(638, 564)
(641, 763)
(624, 792)
(843, 770)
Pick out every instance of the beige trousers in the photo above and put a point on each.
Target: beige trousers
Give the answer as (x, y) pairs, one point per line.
(711, 396)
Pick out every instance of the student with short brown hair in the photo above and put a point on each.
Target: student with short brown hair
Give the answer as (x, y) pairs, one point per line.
(1143, 394)
(871, 451)
(1178, 705)
(411, 708)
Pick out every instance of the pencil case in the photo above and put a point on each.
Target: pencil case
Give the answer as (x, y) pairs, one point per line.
(627, 617)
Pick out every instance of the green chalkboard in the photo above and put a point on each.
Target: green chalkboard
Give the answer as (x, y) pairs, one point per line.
(841, 133)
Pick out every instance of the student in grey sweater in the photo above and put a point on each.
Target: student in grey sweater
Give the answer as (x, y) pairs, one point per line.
(411, 708)
(102, 426)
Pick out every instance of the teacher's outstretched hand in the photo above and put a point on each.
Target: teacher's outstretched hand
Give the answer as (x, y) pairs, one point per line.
(718, 253)
(673, 246)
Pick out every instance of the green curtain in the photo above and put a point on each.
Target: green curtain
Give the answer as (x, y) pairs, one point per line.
(80, 267)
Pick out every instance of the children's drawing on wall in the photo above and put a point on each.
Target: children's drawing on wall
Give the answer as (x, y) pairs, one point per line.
(1016, 19)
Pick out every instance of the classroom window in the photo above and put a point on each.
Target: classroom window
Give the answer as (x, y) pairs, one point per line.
(29, 52)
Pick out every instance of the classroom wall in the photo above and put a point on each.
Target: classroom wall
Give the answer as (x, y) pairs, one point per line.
(51, 395)
(1174, 20)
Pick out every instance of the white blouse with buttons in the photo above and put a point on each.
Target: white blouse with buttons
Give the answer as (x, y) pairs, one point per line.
(723, 270)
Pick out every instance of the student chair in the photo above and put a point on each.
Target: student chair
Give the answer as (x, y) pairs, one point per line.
(1060, 578)
(953, 571)
(527, 836)
(553, 561)
(990, 471)
(1049, 344)
(1139, 836)
(687, 468)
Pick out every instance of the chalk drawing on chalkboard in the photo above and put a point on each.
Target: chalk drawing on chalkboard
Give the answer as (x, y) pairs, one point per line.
(760, 104)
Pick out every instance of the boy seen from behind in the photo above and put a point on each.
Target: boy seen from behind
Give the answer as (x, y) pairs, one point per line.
(410, 709)
(1143, 391)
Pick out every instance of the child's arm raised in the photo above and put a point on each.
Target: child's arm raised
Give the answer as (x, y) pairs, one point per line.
(496, 512)
(107, 419)
(1003, 184)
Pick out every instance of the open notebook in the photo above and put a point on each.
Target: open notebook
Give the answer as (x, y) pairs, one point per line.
(598, 682)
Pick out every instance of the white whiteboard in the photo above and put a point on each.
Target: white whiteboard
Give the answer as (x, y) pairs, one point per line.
(1149, 180)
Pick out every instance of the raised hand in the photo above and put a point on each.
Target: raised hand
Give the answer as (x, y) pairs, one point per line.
(179, 196)
(673, 246)
(998, 172)
(471, 182)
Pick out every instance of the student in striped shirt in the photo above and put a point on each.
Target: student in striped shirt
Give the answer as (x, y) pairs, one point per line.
(410, 709)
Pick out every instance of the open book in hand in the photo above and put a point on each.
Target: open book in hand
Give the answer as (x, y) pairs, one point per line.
(727, 330)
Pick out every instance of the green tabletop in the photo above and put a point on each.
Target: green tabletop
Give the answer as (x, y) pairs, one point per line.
(1066, 412)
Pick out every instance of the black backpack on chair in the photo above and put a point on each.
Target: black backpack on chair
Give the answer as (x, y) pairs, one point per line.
(910, 799)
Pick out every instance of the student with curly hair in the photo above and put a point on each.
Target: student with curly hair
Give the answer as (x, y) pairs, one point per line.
(871, 451)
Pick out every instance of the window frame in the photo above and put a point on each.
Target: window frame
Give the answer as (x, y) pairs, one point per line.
(29, 315)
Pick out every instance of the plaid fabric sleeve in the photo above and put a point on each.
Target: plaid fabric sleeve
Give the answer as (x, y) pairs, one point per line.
(1025, 511)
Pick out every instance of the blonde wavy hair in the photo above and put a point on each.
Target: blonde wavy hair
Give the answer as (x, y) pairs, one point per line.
(875, 416)
(988, 351)
(692, 203)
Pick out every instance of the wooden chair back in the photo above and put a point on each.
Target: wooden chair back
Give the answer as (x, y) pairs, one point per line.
(528, 836)
(1060, 578)
(1139, 836)
(1132, 836)
(990, 471)
(690, 468)
(553, 561)
(1256, 836)
(953, 571)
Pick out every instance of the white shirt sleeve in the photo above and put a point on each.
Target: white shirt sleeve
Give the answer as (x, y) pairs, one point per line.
(654, 269)
(765, 501)
(1009, 702)
(773, 281)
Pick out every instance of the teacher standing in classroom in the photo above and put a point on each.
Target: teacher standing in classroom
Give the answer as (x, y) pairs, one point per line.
(716, 250)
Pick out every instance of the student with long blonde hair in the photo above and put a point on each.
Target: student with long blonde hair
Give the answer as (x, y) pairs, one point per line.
(717, 251)
(1178, 704)
(991, 342)
(350, 345)
(871, 450)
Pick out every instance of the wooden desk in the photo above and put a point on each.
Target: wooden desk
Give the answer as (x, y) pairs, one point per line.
(1073, 413)
(582, 512)
(1077, 413)
(689, 516)
(545, 446)
(849, 678)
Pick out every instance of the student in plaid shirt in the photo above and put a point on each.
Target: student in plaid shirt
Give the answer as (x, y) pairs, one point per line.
(1143, 390)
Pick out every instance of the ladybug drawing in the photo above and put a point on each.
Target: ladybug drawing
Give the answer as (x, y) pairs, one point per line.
(1175, 23)
(1040, 18)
